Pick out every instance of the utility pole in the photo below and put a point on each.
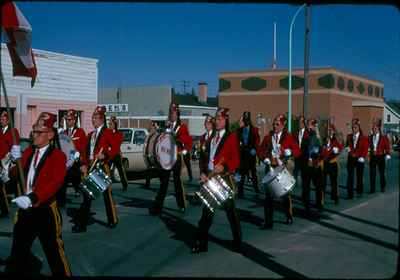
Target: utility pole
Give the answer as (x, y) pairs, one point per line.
(306, 59)
(274, 46)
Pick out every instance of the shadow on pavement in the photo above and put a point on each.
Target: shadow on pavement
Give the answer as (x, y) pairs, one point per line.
(186, 232)
(136, 202)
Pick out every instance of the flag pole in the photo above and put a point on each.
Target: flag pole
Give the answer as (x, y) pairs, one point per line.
(14, 138)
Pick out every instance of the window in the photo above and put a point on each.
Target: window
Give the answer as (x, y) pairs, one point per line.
(139, 137)
(127, 135)
(388, 118)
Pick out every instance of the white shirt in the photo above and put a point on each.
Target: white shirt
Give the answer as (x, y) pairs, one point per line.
(208, 135)
(276, 147)
(32, 168)
(93, 141)
(5, 129)
(71, 131)
(213, 148)
(375, 140)
(301, 133)
(355, 139)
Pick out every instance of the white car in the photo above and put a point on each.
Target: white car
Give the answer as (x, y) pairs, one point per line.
(132, 149)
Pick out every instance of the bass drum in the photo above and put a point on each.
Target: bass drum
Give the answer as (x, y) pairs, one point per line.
(160, 151)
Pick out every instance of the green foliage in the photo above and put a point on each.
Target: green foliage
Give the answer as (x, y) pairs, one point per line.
(350, 85)
(340, 83)
(224, 85)
(254, 83)
(297, 82)
(326, 81)
(361, 88)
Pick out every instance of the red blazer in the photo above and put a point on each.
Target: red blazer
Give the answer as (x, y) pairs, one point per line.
(383, 147)
(361, 149)
(183, 138)
(7, 139)
(50, 173)
(104, 142)
(227, 153)
(327, 153)
(80, 141)
(287, 141)
(117, 139)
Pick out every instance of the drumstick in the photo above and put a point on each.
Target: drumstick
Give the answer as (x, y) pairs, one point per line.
(95, 161)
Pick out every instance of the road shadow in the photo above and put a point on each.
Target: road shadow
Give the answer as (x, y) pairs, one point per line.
(186, 233)
(136, 202)
(247, 217)
(5, 234)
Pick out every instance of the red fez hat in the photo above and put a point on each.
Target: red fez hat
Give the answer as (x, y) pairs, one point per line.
(47, 119)
(100, 110)
(281, 118)
(332, 126)
(72, 114)
(223, 112)
(4, 114)
(174, 107)
(313, 121)
(355, 121)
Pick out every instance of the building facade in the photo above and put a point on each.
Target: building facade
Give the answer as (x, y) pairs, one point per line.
(63, 82)
(334, 95)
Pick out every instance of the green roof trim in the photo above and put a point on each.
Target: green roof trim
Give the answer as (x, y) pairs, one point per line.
(326, 81)
(253, 83)
(297, 82)
(224, 85)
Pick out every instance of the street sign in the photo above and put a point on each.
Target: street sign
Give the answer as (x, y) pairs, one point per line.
(116, 108)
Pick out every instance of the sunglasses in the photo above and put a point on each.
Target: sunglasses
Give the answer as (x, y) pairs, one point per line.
(39, 131)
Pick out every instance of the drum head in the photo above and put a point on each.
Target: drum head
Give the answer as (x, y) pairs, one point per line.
(67, 146)
(166, 151)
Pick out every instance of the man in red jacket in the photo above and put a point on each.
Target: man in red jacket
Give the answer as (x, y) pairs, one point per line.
(330, 153)
(5, 148)
(277, 148)
(99, 148)
(184, 143)
(223, 159)
(357, 146)
(249, 139)
(379, 147)
(38, 215)
(117, 139)
(74, 162)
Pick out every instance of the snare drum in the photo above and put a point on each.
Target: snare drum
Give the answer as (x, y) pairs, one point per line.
(279, 180)
(160, 151)
(215, 192)
(95, 183)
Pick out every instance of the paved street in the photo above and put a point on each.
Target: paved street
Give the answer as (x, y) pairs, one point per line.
(355, 239)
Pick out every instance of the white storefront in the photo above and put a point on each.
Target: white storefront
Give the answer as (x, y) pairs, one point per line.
(63, 82)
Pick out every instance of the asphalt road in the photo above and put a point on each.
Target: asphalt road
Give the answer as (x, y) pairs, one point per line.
(356, 239)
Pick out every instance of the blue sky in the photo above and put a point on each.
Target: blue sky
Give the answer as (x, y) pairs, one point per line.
(164, 43)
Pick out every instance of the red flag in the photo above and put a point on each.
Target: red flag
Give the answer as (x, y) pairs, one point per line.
(19, 44)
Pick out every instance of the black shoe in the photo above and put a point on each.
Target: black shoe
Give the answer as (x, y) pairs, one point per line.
(349, 197)
(199, 247)
(383, 190)
(78, 229)
(289, 220)
(236, 246)
(124, 189)
(154, 211)
(371, 192)
(112, 225)
(336, 201)
(266, 225)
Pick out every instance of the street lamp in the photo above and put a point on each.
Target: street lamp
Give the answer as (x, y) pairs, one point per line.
(290, 68)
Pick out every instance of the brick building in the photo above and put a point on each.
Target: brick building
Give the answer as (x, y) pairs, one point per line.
(334, 95)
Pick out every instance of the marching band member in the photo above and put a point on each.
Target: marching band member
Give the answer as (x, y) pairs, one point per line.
(249, 139)
(99, 149)
(79, 139)
(278, 147)
(38, 215)
(209, 125)
(313, 171)
(5, 148)
(330, 153)
(184, 143)
(222, 158)
(118, 137)
(379, 153)
(357, 145)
